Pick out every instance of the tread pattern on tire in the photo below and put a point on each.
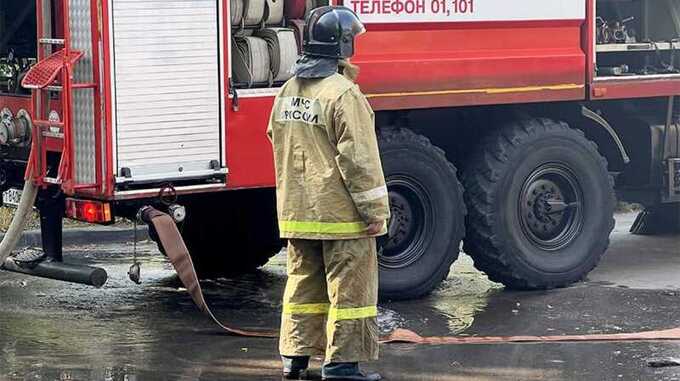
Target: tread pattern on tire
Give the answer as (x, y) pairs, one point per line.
(391, 136)
(479, 180)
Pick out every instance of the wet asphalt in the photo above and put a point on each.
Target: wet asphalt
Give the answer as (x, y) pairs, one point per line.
(127, 332)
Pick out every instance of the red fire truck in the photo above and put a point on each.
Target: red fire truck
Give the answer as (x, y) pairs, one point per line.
(547, 108)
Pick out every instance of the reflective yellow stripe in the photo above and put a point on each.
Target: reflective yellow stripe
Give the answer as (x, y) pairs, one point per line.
(352, 313)
(322, 227)
(306, 309)
(501, 90)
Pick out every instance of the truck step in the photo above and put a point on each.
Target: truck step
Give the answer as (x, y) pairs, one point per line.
(52, 180)
(52, 41)
(48, 123)
(51, 134)
(76, 86)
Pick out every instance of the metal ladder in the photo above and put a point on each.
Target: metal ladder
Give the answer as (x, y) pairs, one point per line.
(54, 72)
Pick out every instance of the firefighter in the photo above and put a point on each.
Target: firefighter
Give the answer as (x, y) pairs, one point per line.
(332, 203)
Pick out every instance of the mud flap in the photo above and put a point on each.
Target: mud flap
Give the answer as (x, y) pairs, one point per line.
(656, 220)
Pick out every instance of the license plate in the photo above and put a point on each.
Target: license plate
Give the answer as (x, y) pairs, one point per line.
(11, 197)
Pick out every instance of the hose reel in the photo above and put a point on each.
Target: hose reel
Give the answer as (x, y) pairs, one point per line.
(15, 131)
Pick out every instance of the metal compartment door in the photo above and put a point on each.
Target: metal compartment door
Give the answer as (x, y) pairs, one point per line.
(166, 84)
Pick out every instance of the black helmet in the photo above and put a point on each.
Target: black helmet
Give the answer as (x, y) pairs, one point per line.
(330, 32)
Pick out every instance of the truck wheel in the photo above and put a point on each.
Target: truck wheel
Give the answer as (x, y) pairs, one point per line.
(428, 216)
(233, 233)
(541, 205)
(227, 256)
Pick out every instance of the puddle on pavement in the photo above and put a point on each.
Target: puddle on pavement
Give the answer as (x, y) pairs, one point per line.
(53, 331)
(107, 374)
(451, 309)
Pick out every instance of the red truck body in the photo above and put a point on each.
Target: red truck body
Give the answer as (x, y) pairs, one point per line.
(411, 65)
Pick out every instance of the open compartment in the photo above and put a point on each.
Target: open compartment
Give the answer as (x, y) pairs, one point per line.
(266, 40)
(637, 38)
(18, 44)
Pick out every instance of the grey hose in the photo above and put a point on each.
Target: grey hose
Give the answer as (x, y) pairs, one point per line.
(23, 213)
(253, 12)
(236, 11)
(273, 12)
(251, 60)
(283, 51)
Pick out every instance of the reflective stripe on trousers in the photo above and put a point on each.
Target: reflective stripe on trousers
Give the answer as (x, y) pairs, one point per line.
(334, 314)
(306, 309)
(330, 300)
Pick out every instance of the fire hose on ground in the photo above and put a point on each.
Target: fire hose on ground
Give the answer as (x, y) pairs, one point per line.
(174, 247)
(173, 244)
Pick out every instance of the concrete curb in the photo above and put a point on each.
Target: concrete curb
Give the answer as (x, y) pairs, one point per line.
(88, 235)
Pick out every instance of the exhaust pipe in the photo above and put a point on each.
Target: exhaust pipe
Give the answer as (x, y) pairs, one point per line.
(88, 275)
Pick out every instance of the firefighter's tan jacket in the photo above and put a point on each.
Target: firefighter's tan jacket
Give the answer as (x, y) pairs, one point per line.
(329, 178)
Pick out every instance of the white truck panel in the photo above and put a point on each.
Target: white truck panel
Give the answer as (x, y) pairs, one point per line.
(167, 85)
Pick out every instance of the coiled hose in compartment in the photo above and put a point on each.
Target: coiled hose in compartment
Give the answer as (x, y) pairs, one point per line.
(251, 63)
(283, 51)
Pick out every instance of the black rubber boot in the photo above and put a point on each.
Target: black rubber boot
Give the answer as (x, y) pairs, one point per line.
(346, 371)
(294, 367)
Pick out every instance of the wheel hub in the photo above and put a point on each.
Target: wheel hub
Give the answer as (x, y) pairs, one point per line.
(411, 215)
(545, 221)
(401, 220)
(550, 207)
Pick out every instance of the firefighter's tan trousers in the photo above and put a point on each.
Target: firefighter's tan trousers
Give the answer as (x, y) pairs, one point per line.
(330, 301)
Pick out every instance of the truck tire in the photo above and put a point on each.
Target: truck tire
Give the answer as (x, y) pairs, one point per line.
(232, 234)
(230, 255)
(541, 205)
(428, 216)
